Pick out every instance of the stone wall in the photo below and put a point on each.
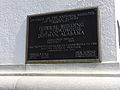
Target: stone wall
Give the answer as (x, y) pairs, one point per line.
(13, 25)
(16, 75)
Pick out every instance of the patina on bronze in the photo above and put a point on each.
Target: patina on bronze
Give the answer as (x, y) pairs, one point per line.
(64, 36)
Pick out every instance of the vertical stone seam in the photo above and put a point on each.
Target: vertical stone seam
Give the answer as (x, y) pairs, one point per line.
(15, 84)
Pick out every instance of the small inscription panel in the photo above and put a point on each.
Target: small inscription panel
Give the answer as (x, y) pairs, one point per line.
(67, 36)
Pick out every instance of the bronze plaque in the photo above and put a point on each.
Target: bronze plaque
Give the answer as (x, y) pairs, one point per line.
(64, 36)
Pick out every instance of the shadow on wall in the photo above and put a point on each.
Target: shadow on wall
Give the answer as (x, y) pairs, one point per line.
(20, 45)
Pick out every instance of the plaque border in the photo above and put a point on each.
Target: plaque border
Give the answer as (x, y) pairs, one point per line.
(63, 60)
